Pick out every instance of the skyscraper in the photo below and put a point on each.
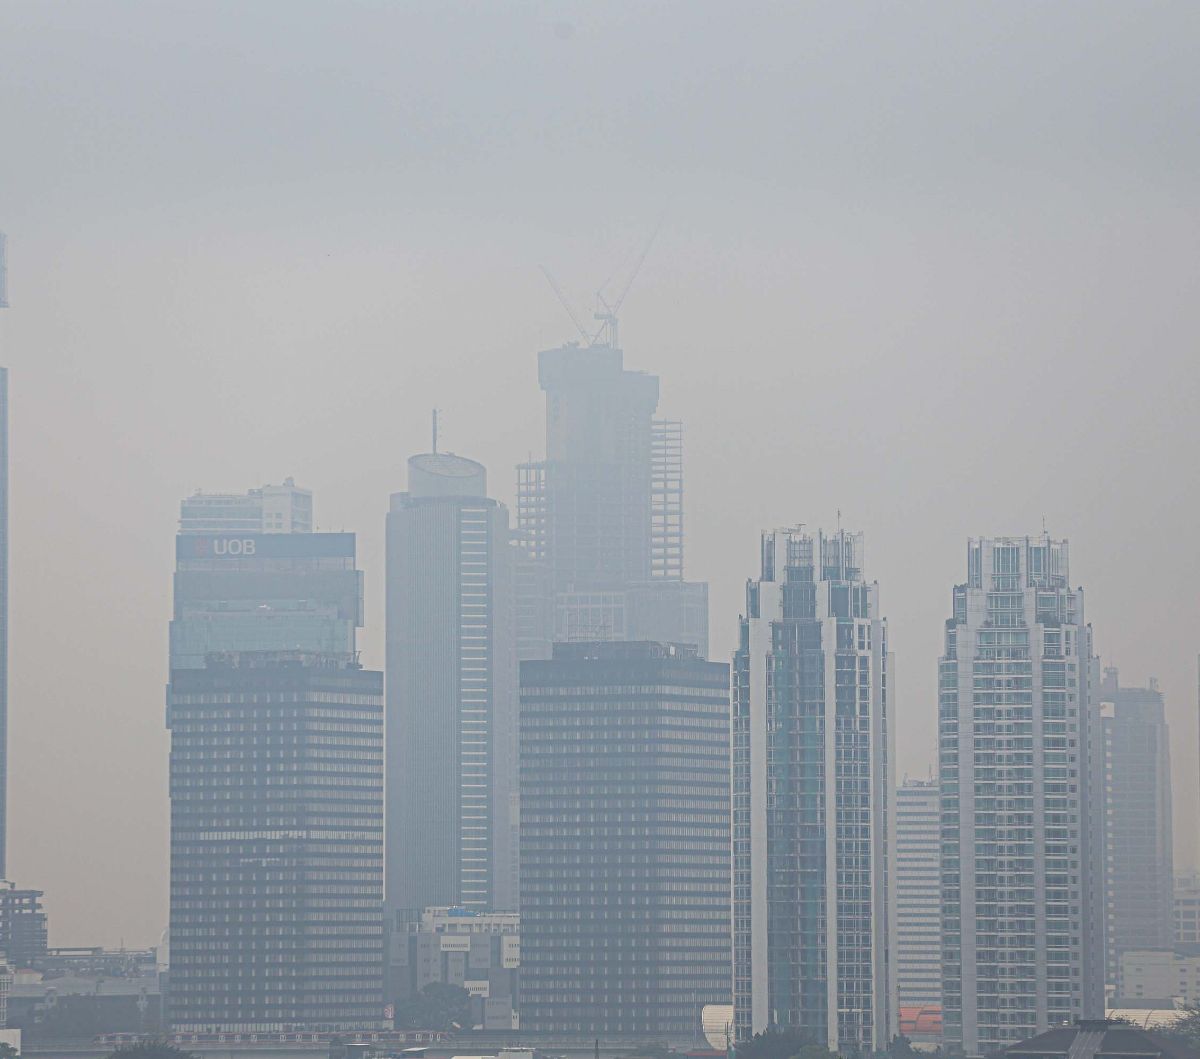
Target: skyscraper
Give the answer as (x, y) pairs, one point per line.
(1138, 859)
(604, 510)
(276, 774)
(624, 840)
(451, 691)
(276, 844)
(1021, 869)
(3, 604)
(813, 728)
(918, 955)
(3, 577)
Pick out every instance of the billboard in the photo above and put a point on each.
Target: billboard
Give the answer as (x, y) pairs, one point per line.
(264, 546)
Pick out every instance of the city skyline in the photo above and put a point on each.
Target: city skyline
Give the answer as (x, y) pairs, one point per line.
(209, 289)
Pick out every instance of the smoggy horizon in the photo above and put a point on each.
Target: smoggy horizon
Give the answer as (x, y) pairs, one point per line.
(932, 271)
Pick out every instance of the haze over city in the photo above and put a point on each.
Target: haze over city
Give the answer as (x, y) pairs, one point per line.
(927, 270)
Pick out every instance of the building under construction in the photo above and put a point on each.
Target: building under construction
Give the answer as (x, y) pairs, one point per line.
(603, 512)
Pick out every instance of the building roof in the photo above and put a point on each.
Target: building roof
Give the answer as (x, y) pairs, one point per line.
(1094, 1039)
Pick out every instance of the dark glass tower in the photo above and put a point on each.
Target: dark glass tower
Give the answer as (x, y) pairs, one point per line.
(625, 916)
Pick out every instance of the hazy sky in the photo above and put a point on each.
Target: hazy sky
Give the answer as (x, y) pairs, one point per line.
(933, 264)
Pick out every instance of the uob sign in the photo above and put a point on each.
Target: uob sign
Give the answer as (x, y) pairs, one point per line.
(233, 546)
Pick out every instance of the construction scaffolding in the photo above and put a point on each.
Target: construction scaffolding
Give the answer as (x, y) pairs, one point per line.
(532, 509)
(666, 499)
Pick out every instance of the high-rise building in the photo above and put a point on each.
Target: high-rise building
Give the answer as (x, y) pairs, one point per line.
(918, 944)
(241, 590)
(3, 602)
(624, 840)
(3, 576)
(276, 778)
(1138, 859)
(451, 691)
(604, 510)
(813, 728)
(272, 509)
(1022, 922)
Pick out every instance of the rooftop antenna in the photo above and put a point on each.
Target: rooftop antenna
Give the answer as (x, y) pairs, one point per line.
(562, 298)
(607, 314)
(435, 431)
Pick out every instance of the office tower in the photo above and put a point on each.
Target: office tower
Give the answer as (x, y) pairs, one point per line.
(242, 590)
(276, 784)
(604, 510)
(451, 694)
(1022, 921)
(624, 840)
(1138, 861)
(918, 944)
(272, 509)
(813, 727)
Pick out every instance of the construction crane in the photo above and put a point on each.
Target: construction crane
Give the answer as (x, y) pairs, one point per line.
(566, 305)
(606, 313)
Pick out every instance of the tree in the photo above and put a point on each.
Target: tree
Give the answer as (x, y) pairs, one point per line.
(151, 1050)
(439, 1007)
(901, 1048)
(7, 1051)
(816, 1051)
(776, 1044)
(1187, 1029)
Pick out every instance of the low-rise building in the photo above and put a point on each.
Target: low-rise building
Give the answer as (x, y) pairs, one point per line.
(1187, 908)
(479, 951)
(1161, 974)
(1100, 1039)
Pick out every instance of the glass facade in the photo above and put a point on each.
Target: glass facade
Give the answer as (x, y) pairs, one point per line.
(624, 840)
(264, 592)
(1021, 936)
(811, 787)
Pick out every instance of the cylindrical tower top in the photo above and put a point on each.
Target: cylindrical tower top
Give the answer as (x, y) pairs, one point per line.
(444, 474)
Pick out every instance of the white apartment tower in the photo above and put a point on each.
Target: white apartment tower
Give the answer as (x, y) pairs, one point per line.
(813, 730)
(1022, 875)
